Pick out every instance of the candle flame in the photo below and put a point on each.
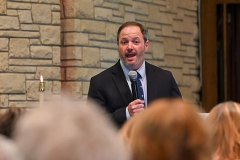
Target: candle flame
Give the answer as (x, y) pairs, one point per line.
(41, 78)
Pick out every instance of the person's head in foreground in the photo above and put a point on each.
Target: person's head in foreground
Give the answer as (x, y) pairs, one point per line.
(68, 130)
(225, 120)
(9, 118)
(8, 149)
(168, 130)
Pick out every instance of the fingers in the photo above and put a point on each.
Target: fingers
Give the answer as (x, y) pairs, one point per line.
(135, 107)
(138, 110)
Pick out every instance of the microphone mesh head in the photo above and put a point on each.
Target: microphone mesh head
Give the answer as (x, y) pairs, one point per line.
(132, 75)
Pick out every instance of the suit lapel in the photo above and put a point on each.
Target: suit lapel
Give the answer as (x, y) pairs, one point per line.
(150, 74)
(121, 83)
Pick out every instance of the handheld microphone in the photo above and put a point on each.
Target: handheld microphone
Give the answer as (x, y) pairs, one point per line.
(133, 77)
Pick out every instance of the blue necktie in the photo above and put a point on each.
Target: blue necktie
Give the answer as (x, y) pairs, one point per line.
(140, 93)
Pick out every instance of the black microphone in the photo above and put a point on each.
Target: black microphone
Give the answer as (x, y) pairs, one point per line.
(133, 77)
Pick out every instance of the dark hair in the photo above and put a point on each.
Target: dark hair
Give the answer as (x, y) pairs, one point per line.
(131, 23)
(8, 120)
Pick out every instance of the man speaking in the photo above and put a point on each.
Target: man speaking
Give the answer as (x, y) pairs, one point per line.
(127, 87)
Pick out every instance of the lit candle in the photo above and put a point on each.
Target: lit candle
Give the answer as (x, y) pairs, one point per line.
(41, 91)
(41, 84)
(41, 78)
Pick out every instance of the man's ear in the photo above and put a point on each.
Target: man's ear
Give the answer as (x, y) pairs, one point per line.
(147, 44)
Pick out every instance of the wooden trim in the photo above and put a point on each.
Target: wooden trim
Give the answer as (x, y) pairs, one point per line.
(209, 56)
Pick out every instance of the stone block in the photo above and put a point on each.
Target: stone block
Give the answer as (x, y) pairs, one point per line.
(173, 61)
(25, 16)
(3, 8)
(85, 87)
(71, 53)
(91, 57)
(12, 83)
(44, 52)
(157, 50)
(19, 34)
(23, 69)
(72, 8)
(57, 87)
(23, 104)
(90, 26)
(97, 37)
(50, 35)
(82, 74)
(18, 97)
(29, 27)
(4, 61)
(103, 44)
(171, 45)
(109, 55)
(30, 62)
(4, 100)
(75, 39)
(70, 25)
(103, 13)
(56, 55)
(12, 12)
(49, 1)
(41, 13)
(56, 19)
(18, 5)
(106, 65)
(8, 22)
(111, 32)
(4, 44)
(141, 7)
(49, 73)
(56, 8)
(19, 47)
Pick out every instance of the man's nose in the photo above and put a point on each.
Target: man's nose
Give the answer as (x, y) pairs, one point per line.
(130, 45)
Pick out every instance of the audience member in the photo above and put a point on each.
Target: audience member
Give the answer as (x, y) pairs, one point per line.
(68, 130)
(168, 130)
(8, 149)
(225, 120)
(8, 118)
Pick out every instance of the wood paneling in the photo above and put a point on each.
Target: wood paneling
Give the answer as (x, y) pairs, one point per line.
(209, 57)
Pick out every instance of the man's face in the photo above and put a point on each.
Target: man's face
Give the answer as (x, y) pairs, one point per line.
(131, 47)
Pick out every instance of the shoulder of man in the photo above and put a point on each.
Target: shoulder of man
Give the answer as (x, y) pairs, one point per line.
(152, 67)
(107, 72)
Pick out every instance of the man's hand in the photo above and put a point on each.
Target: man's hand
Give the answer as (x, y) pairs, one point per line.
(135, 107)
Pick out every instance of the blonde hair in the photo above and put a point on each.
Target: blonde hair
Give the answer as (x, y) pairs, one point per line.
(225, 120)
(168, 130)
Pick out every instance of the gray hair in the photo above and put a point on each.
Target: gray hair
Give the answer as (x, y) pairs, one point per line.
(69, 130)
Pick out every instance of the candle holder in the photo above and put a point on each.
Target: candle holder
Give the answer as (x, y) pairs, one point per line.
(41, 86)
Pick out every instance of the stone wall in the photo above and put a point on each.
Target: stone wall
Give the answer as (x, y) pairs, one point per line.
(29, 47)
(69, 41)
(89, 39)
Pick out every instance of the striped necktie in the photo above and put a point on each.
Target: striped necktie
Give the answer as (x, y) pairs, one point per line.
(140, 93)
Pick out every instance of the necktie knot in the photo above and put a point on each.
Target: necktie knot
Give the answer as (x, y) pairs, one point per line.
(139, 75)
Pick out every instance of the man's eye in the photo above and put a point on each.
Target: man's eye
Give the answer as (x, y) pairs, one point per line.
(124, 42)
(136, 42)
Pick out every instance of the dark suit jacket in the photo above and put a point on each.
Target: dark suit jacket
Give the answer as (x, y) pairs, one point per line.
(111, 91)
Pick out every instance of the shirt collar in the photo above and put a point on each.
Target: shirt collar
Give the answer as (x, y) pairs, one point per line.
(141, 70)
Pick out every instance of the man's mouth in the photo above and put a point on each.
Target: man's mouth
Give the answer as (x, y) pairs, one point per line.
(129, 55)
